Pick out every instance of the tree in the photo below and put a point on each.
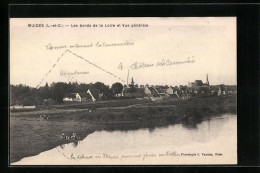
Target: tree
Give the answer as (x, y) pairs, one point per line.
(24, 95)
(101, 86)
(58, 91)
(117, 88)
(18, 94)
(44, 92)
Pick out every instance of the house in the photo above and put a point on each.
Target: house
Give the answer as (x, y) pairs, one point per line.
(151, 91)
(161, 90)
(78, 97)
(72, 97)
(198, 88)
(178, 93)
(165, 90)
(169, 91)
(198, 83)
(95, 94)
(200, 91)
(213, 90)
(183, 92)
(222, 90)
(232, 89)
(133, 91)
(85, 97)
(90, 95)
(17, 107)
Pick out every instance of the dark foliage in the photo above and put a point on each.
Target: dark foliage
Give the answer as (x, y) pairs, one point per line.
(117, 88)
(27, 96)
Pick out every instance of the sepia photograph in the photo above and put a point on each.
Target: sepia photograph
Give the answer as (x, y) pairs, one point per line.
(123, 91)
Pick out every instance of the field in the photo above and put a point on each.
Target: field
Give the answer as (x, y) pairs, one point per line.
(29, 135)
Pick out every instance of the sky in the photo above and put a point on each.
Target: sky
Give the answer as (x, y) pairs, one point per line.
(209, 43)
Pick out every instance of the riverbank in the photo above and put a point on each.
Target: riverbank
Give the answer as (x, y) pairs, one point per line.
(29, 135)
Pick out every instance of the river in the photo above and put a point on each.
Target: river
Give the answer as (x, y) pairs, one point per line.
(213, 141)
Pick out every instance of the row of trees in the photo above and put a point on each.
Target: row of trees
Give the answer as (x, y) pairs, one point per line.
(25, 95)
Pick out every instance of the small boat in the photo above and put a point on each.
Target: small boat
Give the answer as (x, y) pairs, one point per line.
(62, 136)
(74, 137)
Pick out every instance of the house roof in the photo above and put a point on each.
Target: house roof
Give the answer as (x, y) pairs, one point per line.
(175, 89)
(95, 93)
(198, 82)
(178, 92)
(85, 95)
(152, 89)
(154, 92)
(82, 95)
(162, 89)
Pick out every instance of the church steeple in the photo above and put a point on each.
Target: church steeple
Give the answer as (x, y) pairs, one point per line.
(132, 83)
(207, 79)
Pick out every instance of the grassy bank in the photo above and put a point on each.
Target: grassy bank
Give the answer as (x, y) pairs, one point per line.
(30, 136)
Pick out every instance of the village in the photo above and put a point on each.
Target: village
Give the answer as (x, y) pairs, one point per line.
(99, 92)
(157, 92)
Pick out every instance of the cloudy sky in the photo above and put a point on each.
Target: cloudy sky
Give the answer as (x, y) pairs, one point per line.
(210, 43)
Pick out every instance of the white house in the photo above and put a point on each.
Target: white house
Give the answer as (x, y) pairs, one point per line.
(77, 97)
(95, 94)
(151, 91)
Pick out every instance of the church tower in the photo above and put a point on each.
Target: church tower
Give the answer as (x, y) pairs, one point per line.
(207, 80)
(132, 83)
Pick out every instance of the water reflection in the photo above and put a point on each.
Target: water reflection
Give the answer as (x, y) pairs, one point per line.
(189, 125)
(151, 129)
(186, 123)
(62, 146)
(189, 136)
(75, 143)
(187, 132)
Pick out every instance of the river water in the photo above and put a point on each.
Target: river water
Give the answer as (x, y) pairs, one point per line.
(212, 141)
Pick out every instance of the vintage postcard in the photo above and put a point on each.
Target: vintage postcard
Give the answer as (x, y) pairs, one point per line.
(123, 91)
